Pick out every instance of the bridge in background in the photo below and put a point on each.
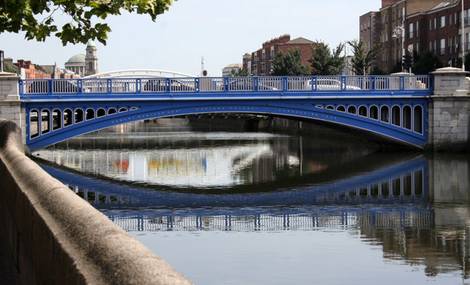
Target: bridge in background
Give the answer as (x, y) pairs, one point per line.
(394, 107)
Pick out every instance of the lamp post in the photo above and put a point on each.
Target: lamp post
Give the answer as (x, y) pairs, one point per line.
(463, 36)
(399, 33)
(2, 59)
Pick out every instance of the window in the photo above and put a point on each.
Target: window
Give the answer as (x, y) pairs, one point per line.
(443, 47)
(410, 30)
(443, 21)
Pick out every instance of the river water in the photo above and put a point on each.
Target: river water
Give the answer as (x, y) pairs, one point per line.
(266, 208)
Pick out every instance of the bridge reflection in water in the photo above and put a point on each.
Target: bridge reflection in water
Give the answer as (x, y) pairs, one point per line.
(390, 207)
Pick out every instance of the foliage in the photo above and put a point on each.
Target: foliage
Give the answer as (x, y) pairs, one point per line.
(10, 68)
(239, 73)
(325, 61)
(408, 60)
(37, 17)
(362, 59)
(289, 64)
(467, 62)
(426, 63)
(377, 71)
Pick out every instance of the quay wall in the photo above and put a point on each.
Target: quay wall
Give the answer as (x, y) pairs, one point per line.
(52, 236)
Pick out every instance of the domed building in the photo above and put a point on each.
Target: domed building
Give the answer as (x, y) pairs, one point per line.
(84, 65)
(76, 64)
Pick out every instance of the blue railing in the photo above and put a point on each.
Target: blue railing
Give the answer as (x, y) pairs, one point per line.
(223, 85)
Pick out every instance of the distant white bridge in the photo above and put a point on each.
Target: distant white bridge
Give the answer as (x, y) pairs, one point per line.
(138, 73)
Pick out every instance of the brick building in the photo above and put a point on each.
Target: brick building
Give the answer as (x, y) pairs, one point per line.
(260, 62)
(28, 70)
(383, 28)
(438, 30)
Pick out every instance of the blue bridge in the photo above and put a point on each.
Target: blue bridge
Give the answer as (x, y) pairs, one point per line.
(394, 107)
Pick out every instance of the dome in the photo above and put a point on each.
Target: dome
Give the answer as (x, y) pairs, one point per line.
(78, 58)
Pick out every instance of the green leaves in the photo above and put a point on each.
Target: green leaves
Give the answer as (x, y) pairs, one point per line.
(325, 61)
(362, 59)
(289, 64)
(36, 17)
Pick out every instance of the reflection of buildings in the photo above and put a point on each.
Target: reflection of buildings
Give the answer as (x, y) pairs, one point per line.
(202, 167)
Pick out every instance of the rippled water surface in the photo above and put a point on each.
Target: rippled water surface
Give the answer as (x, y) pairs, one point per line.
(264, 208)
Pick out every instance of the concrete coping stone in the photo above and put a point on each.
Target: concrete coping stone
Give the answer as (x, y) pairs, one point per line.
(101, 252)
(8, 75)
(450, 71)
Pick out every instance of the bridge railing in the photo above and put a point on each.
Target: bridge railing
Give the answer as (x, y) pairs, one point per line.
(223, 84)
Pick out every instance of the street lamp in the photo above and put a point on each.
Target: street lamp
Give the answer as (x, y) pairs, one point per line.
(399, 33)
(1, 60)
(463, 36)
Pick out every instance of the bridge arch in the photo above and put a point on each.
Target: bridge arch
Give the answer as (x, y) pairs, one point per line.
(96, 117)
(374, 112)
(68, 117)
(78, 116)
(363, 111)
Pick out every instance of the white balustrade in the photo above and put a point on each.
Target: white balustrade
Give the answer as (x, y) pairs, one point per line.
(333, 83)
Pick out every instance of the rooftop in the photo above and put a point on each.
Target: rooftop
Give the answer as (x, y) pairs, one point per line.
(300, 40)
(78, 58)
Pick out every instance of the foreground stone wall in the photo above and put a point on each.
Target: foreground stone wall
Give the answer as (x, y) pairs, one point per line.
(55, 237)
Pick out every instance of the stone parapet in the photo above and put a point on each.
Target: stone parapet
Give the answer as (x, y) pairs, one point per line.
(55, 237)
(9, 88)
(451, 81)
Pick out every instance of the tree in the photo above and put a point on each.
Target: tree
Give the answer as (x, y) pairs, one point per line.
(362, 59)
(289, 64)
(239, 73)
(467, 62)
(408, 59)
(85, 17)
(426, 63)
(325, 61)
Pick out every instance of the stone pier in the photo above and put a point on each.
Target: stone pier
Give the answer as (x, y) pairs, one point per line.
(449, 109)
(10, 105)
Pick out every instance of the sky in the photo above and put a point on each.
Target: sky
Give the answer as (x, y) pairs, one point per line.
(221, 31)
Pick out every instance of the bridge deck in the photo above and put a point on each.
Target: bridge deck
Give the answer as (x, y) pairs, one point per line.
(229, 86)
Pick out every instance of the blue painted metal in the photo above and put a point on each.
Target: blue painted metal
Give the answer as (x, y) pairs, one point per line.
(334, 193)
(314, 98)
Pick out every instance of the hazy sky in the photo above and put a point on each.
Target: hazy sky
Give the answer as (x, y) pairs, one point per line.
(220, 30)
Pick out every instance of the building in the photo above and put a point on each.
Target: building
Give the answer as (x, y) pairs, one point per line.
(84, 64)
(246, 65)
(262, 59)
(76, 64)
(28, 70)
(91, 59)
(348, 66)
(385, 29)
(231, 69)
(439, 31)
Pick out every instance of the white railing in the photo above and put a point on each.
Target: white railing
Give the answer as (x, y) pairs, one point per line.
(224, 84)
